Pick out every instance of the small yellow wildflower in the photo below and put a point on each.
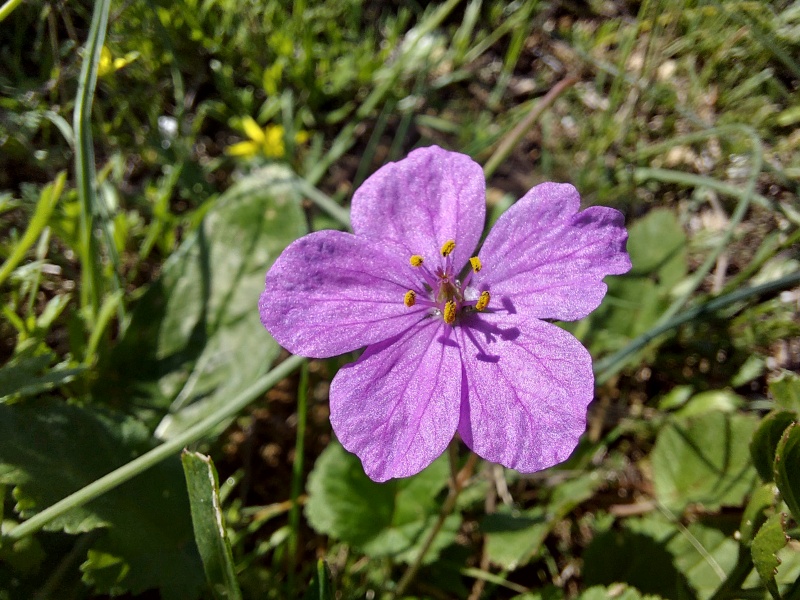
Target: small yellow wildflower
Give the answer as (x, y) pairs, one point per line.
(108, 64)
(268, 142)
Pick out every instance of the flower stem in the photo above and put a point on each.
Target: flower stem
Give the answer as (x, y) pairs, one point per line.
(611, 365)
(457, 480)
(156, 455)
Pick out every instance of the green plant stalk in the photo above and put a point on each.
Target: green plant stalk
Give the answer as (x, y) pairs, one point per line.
(736, 218)
(156, 455)
(44, 207)
(457, 480)
(610, 366)
(85, 174)
(692, 180)
(8, 8)
(297, 478)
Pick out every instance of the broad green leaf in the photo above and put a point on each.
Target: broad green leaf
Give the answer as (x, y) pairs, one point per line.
(617, 591)
(762, 500)
(660, 557)
(49, 449)
(769, 540)
(380, 518)
(638, 557)
(787, 469)
(765, 442)
(196, 333)
(786, 391)
(704, 460)
(209, 525)
(712, 400)
(667, 258)
(513, 538)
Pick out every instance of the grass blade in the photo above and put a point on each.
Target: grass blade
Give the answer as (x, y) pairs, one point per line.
(85, 174)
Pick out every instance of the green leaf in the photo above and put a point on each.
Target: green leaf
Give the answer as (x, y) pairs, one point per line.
(786, 391)
(321, 587)
(762, 500)
(662, 557)
(618, 591)
(667, 258)
(638, 557)
(703, 460)
(49, 449)
(710, 401)
(787, 469)
(209, 525)
(765, 442)
(513, 538)
(382, 519)
(769, 540)
(196, 333)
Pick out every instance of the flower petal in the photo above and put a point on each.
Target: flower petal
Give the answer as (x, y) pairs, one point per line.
(253, 130)
(528, 383)
(422, 201)
(397, 407)
(332, 292)
(548, 259)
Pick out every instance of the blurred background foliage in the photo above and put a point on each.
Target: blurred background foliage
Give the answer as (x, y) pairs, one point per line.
(221, 131)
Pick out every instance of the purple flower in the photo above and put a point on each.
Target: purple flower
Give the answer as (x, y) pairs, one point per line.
(454, 341)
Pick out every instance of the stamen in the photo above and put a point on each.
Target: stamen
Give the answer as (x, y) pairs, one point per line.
(476, 263)
(448, 247)
(449, 313)
(483, 301)
(410, 298)
(416, 260)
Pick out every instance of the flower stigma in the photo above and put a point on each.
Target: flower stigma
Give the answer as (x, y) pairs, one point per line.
(441, 290)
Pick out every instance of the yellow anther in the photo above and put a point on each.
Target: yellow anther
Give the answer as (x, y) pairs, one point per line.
(483, 301)
(416, 260)
(448, 247)
(476, 263)
(449, 312)
(410, 298)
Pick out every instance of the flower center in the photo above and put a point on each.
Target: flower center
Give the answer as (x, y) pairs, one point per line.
(441, 290)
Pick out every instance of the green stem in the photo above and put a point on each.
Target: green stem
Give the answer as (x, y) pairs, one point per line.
(156, 455)
(8, 8)
(456, 485)
(297, 477)
(611, 365)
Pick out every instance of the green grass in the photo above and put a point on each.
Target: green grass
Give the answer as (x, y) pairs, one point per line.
(114, 176)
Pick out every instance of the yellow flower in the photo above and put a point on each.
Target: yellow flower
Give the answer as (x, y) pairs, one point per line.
(108, 64)
(268, 142)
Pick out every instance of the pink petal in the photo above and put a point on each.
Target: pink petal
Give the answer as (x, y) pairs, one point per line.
(397, 407)
(548, 259)
(422, 201)
(332, 292)
(529, 384)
